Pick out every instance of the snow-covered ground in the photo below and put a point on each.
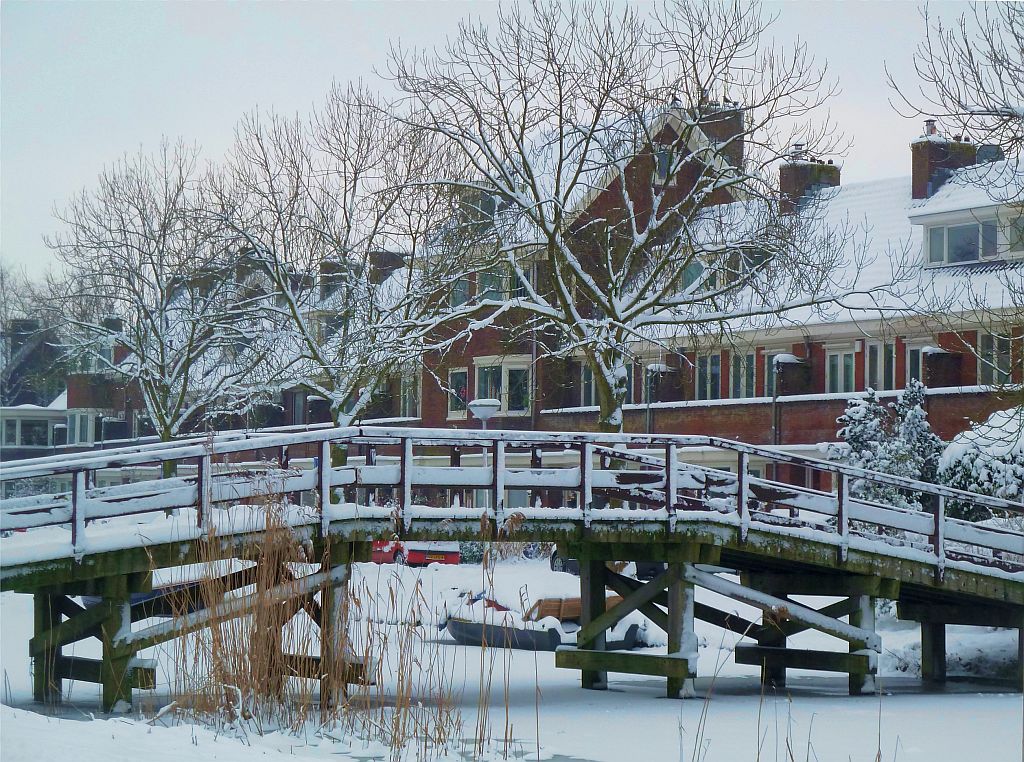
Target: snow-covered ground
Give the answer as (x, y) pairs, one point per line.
(545, 707)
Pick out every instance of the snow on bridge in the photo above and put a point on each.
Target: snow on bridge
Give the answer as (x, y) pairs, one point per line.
(602, 497)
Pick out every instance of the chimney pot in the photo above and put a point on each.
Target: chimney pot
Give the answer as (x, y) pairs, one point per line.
(929, 127)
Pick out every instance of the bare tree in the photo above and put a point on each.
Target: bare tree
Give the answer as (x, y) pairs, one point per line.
(151, 298)
(608, 143)
(970, 76)
(332, 212)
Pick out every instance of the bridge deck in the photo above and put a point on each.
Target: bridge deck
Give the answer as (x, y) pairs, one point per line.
(600, 497)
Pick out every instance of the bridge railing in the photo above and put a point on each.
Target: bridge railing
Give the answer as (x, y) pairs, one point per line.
(395, 473)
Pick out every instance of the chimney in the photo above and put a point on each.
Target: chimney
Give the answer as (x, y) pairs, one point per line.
(722, 121)
(800, 176)
(934, 157)
(382, 264)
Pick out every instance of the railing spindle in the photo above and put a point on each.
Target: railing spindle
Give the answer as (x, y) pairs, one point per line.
(586, 480)
(407, 467)
(203, 490)
(499, 482)
(323, 480)
(78, 513)
(741, 495)
(939, 537)
(842, 515)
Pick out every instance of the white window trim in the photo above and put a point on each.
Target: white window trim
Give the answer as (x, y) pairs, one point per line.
(991, 368)
(840, 349)
(770, 368)
(733, 355)
(946, 221)
(914, 345)
(880, 344)
(507, 363)
(722, 369)
(456, 415)
(418, 382)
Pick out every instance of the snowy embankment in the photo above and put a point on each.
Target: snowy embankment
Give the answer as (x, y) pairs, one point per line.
(545, 705)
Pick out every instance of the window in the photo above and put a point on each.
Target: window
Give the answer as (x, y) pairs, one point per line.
(410, 396)
(491, 285)
(993, 360)
(1015, 235)
(691, 273)
(506, 379)
(80, 428)
(458, 391)
(460, 293)
(742, 375)
(652, 379)
(839, 372)
(34, 433)
(915, 364)
(709, 376)
(662, 166)
(518, 287)
(587, 397)
(955, 244)
(488, 382)
(771, 373)
(881, 366)
(10, 432)
(518, 390)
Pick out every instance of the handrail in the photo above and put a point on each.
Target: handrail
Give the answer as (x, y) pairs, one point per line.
(660, 485)
(286, 436)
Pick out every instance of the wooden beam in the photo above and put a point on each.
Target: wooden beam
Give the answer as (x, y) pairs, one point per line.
(84, 625)
(825, 661)
(629, 603)
(960, 613)
(115, 676)
(46, 682)
(91, 671)
(813, 583)
(625, 662)
(933, 652)
(682, 641)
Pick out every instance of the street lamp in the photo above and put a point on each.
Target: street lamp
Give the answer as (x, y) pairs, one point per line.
(484, 409)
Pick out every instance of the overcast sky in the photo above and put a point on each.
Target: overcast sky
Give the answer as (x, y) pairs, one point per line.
(83, 82)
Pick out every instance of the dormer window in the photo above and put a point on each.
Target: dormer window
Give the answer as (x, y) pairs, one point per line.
(957, 244)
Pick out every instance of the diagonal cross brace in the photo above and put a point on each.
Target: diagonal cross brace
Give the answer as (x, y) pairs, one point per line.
(630, 603)
(784, 609)
(235, 607)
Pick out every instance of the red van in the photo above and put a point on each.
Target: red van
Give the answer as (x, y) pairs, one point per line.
(415, 553)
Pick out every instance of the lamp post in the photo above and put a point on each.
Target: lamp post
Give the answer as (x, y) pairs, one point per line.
(484, 409)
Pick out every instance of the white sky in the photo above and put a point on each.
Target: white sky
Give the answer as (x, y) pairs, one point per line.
(81, 83)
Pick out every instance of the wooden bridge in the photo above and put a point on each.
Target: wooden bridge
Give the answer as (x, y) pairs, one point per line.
(601, 497)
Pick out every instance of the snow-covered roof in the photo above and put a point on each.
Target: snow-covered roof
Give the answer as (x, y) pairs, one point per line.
(980, 186)
(61, 401)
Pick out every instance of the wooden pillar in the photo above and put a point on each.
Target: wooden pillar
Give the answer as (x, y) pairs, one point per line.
(682, 640)
(592, 594)
(773, 673)
(933, 652)
(1020, 658)
(333, 630)
(864, 617)
(115, 675)
(46, 686)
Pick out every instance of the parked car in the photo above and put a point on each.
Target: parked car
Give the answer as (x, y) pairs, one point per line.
(415, 553)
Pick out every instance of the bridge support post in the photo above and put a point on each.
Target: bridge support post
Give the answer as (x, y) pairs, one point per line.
(682, 641)
(933, 652)
(771, 634)
(46, 685)
(333, 631)
(592, 594)
(115, 674)
(863, 616)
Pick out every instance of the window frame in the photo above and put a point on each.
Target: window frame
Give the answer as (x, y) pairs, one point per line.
(989, 239)
(842, 352)
(407, 382)
(744, 387)
(886, 376)
(506, 365)
(704, 390)
(990, 371)
(459, 414)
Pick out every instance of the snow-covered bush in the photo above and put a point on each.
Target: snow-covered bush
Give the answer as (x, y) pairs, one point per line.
(988, 459)
(896, 440)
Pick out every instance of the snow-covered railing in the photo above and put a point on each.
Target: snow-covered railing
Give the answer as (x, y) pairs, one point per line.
(390, 468)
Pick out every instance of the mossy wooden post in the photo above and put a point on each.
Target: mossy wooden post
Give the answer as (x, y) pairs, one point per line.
(933, 652)
(771, 634)
(864, 617)
(267, 642)
(333, 632)
(681, 638)
(592, 594)
(46, 685)
(115, 675)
